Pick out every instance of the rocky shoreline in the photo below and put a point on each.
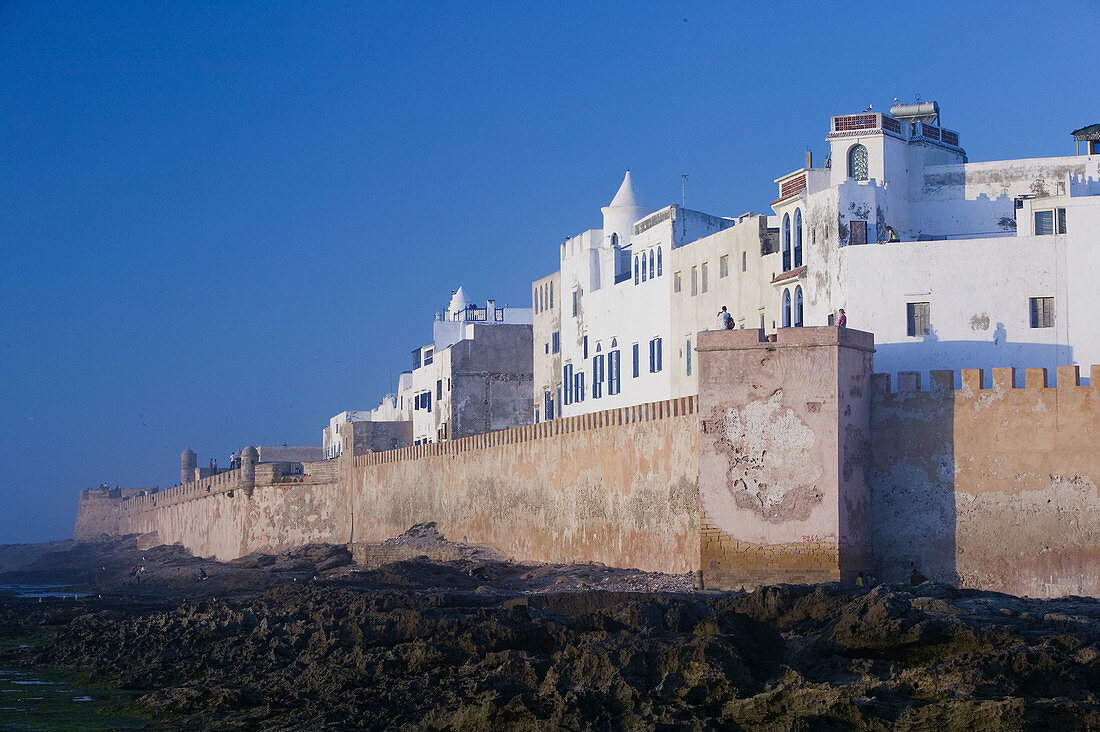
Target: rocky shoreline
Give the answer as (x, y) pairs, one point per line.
(479, 643)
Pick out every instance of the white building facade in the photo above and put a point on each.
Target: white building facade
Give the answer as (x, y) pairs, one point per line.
(983, 265)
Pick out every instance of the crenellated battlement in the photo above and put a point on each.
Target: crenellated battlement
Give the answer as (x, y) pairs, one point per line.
(552, 428)
(212, 485)
(972, 382)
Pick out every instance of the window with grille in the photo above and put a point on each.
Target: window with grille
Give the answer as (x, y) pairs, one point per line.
(1042, 312)
(857, 162)
(555, 341)
(918, 319)
(636, 360)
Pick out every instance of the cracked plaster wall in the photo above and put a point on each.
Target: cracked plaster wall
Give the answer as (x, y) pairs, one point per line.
(990, 486)
(588, 488)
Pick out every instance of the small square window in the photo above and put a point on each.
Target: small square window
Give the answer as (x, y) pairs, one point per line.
(918, 319)
(1042, 312)
(724, 266)
(1049, 222)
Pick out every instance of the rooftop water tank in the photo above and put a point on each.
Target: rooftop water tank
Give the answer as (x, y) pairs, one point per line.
(917, 112)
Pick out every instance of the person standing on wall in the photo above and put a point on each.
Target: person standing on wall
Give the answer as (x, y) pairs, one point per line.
(842, 321)
(724, 319)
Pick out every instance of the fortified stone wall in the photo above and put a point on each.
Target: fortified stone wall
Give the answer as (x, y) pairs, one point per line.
(989, 486)
(98, 511)
(227, 516)
(794, 465)
(618, 487)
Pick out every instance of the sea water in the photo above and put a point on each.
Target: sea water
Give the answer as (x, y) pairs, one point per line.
(33, 699)
(45, 699)
(33, 591)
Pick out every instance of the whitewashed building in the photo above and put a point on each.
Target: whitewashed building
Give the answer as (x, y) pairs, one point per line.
(988, 265)
(474, 377)
(606, 337)
(992, 260)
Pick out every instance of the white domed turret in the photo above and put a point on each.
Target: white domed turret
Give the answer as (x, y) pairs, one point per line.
(622, 212)
(458, 302)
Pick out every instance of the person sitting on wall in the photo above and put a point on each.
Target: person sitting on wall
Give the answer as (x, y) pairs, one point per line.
(891, 235)
(724, 319)
(842, 321)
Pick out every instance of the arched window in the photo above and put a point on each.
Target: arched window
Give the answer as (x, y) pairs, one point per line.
(643, 266)
(798, 307)
(798, 237)
(637, 270)
(651, 264)
(786, 242)
(786, 308)
(615, 240)
(599, 348)
(658, 261)
(614, 342)
(857, 162)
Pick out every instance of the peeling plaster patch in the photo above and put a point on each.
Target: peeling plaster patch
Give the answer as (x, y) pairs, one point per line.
(771, 470)
(861, 211)
(979, 322)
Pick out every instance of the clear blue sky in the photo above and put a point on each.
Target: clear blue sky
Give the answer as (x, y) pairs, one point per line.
(221, 224)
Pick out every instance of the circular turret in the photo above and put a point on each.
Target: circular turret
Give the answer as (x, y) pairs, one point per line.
(188, 463)
(458, 304)
(620, 215)
(249, 458)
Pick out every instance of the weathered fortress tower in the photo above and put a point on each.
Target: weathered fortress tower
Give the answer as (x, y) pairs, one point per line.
(188, 463)
(785, 433)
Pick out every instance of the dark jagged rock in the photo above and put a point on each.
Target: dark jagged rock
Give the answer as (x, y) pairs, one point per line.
(304, 640)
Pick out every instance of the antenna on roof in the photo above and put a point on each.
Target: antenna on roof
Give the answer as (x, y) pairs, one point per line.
(683, 189)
